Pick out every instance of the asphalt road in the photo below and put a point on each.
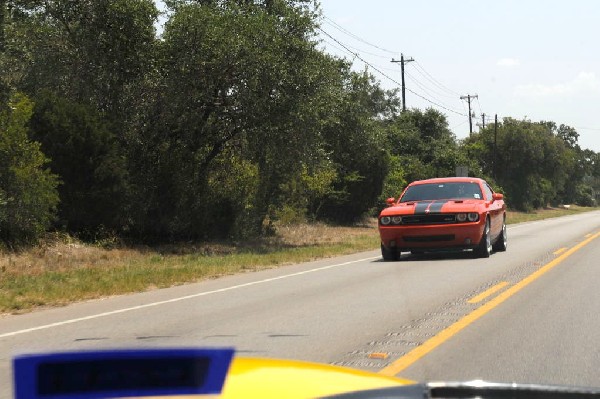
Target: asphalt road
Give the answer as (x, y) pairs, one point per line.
(417, 315)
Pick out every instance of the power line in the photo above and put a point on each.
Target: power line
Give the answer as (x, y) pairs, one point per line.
(385, 75)
(386, 68)
(428, 89)
(479, 106)
(334, 46)
(419, 68)
(459, 125)
(367, 52)
(438, 88)
(434, 80)
(438, 105)
(347, 32)
(347, 50)
(424, 88)
(481, 113)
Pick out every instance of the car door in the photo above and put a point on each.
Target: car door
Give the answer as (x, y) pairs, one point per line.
(496, 211)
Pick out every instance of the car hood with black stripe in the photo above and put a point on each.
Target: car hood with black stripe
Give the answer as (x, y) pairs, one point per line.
(433, 207)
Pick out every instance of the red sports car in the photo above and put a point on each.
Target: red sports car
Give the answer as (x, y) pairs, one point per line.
(444, 214)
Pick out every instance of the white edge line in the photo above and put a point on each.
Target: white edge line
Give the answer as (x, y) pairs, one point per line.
(516, 226)
(183, 298)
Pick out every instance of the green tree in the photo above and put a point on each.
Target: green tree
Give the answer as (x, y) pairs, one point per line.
(2, 22)
(355, 137)
(395, 181)
(90, 52)
(28, 195)
(85, 154)
(532, 162)
(424, 145)
(238, 80)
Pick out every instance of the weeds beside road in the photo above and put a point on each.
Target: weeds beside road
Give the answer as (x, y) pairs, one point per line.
(62, 270)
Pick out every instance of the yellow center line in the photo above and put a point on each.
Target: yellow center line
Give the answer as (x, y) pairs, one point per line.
(447, 333)
(559, 251)
(488, 292)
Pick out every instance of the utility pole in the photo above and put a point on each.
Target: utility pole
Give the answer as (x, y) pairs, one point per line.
(468, 97)
(483, 120)
(402, 62)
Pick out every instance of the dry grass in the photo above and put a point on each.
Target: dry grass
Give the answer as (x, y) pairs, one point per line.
(319, 233)
(520, 217)
(62, 270)
(60, 253)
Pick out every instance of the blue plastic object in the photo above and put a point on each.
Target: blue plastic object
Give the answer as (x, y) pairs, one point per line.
(121, 373)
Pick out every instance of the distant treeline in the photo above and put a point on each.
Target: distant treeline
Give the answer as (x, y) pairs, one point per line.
(229, 121)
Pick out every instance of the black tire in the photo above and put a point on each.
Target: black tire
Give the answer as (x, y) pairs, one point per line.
(484, 249)
(502, 241)
(390, 254)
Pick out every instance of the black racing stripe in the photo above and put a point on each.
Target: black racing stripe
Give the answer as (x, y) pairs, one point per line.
(436, 207)
(421, 207)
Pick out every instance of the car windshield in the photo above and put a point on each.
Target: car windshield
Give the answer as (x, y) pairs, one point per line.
(438, 191)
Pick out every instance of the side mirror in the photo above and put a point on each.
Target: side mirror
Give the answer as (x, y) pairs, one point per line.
(497, 196)
(390, 201)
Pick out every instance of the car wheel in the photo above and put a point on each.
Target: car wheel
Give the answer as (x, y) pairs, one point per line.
(390, 254)
(484, 249)
(502, 242)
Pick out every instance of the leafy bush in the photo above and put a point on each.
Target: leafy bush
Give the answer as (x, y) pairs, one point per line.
(85, 154)
(585, 195)
(28, 195)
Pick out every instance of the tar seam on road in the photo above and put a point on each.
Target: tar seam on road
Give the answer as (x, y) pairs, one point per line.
(437, 340)
(183, 298)
(489, 292)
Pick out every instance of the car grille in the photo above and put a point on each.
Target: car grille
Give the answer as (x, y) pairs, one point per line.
(429, 219)
(447, 237)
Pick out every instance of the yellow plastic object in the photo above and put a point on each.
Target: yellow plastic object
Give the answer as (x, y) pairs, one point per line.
(271, 378)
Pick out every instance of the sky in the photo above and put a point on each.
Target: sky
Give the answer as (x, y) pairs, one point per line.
(526, 59)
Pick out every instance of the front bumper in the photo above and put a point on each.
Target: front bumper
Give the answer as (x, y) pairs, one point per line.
(422, 237)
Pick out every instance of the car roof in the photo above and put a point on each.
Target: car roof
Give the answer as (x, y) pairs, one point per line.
(449, 180)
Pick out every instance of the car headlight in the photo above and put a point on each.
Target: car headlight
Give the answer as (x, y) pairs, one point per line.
(397, 219)
(473, 217)
(461, 217)
(385, 220)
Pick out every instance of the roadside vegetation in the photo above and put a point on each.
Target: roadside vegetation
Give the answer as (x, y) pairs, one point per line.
(545, 213)
(230, 122)
(61, 270)
(228, 125)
